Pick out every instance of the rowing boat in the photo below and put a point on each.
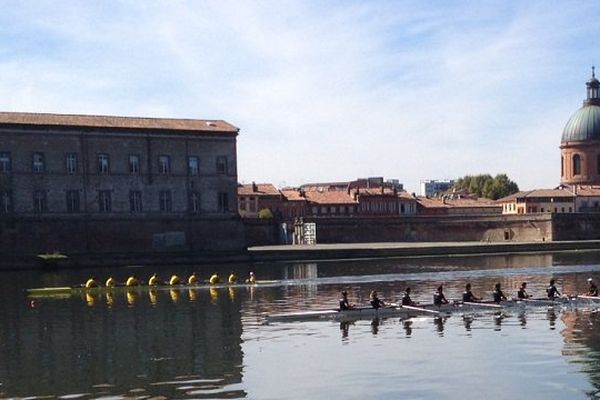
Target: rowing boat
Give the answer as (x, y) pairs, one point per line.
(65, 291)
(351, 314)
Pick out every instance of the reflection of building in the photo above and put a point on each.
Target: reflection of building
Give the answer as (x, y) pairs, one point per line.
(103, 183)
(580, 143)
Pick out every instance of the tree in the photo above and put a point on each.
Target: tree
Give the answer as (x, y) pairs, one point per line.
(485, 185)
(265, 213)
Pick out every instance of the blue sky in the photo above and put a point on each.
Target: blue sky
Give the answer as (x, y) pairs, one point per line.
(321, 90)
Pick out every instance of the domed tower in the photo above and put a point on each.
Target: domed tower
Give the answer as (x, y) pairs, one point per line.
(580, 143)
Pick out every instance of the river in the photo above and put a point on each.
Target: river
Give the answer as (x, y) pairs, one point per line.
(216, 344)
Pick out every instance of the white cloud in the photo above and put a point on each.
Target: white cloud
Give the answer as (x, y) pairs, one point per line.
(320, 91)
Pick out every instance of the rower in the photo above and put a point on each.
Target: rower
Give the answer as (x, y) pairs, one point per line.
(251, 278)
(175, 280)
(522, 293)
(468, 296)
(110, 282)
(214, 279)
(592, 288)
(193, 279)
(552, 291)
(344, 303)
(132, 281)
(438, 296)
(91, 283)
(154, 280)
(232, 278)
(406, 300)
(498, 294)
(376, 302)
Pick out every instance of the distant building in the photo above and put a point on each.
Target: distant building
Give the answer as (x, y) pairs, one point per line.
(539, 201)
(82, 183)
(432, 187)
(255, 197)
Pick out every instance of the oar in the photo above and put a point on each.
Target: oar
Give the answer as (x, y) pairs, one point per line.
(489, 305)
(420, 309)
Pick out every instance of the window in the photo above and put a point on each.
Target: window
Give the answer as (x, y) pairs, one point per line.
(103, 164)
(5, 202)
(38, 162)
(164, 200)
(562, 165)
(5, 162)
(576, 164)
(71, 163)
(598, 164)
(223, 202)
(222, 165)
(193, 165)
(39, 201)
(135, 201)
(73, 201)
(164, 164)
(104, 201)
(134, 164)
(195, 202)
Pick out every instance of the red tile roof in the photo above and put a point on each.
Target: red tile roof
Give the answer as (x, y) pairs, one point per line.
(292, 195)
(258, 189)
(114, 122)
(335, 197)
(536, 193)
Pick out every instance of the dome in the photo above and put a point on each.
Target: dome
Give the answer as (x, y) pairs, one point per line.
(584, 125)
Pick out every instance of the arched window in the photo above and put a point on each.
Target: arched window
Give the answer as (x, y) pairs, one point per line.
(598, 164)
(562, 165)
(576, 164)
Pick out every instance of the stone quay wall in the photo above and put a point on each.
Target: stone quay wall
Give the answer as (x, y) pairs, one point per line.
(496, 228)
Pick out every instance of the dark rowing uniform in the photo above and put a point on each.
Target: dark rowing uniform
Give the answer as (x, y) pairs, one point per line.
(499, 296)
(593, 290)
(406, 300)
(376, 303)
(439, 298)
(552, 292)
(522, 294)
(344, 304)
(468, 297)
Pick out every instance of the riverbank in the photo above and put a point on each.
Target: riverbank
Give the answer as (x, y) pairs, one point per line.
(303, 253)
(409, 249)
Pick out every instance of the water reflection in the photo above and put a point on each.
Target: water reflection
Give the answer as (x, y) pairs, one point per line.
(407, 325)
(439, 325)
(375, 326)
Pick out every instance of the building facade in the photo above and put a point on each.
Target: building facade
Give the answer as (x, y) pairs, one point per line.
(103, 183)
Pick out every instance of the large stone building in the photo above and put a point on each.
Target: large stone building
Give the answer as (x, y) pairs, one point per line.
(79, 183)
(580, 143)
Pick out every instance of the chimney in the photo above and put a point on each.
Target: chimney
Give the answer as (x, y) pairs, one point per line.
(254, 187)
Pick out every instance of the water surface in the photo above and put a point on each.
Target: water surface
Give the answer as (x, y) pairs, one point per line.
(215, 343)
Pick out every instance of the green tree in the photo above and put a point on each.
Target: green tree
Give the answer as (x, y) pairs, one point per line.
(265, 213)
(485, 185)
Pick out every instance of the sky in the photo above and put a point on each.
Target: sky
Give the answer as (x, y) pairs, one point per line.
(321, 90)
